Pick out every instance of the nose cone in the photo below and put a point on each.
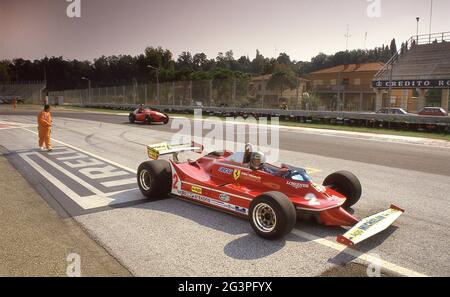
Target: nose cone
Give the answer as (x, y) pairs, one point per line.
(337, 217)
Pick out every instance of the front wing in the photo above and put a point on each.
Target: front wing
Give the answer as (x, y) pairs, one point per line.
(370, 226)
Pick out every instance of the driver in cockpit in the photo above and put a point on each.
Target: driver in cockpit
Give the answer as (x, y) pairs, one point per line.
(257, 161)
(254, 160)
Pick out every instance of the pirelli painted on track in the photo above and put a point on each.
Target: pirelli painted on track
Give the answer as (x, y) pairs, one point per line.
(77, 180)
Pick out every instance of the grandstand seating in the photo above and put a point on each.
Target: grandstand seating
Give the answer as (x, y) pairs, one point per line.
(425, 61)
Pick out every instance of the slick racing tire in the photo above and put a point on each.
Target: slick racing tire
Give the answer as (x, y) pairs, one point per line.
(166, 120)
(272, 215)
(155, 179)
(132, 118)
(347, 184)
(148, 119)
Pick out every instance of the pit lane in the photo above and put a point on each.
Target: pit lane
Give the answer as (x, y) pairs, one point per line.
(172, 237)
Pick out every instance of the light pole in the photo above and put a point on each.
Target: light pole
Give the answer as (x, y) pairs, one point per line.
(157, 81)
(417, 31)
(89, 88)
(431, 17)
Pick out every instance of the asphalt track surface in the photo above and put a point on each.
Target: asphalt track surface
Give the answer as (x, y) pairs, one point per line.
(397, 155)
(171, 237)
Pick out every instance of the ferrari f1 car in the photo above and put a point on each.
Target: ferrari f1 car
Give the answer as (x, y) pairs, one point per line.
(148, 116)
(271, 197)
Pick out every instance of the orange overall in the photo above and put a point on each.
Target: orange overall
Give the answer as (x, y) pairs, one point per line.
(45, 127)
(14, 102)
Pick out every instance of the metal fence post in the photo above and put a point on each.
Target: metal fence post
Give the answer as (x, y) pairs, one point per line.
(173, 93)
(233, 94)
(190, 91)
(210, 93)
(145, 95)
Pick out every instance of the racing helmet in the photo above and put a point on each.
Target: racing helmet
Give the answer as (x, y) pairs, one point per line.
(257, 160)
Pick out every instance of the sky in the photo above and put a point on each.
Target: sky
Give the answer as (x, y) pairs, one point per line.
(302, 28)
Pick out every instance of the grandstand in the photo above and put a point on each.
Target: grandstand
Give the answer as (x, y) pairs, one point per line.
(422, 63)
(419, 61)
(23, 92)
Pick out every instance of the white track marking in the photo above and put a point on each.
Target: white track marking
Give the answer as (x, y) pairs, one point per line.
(88, 153)
(71, 175)
(322, 241)
(61, 151)
(13, 128)
(84, 202)
(357, 254)
(15, 125)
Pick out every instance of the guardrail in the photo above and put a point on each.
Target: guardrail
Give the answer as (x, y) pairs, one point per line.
(366, 118)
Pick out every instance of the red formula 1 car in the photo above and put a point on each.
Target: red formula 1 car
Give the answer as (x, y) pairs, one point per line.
(148, 116)
(271, 197)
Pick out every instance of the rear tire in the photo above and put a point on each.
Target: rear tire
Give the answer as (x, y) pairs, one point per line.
(166, 120)
(148, 119)
(132, 118)
(347, 184)
(272, 215)
(155, 179)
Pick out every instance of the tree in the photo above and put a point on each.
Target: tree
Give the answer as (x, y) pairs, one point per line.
(158, 57)
(199, 61)
(226, 61)
(283, 78)
(123, 69)
(283, 58)
(393, 47)
(320, 61)
(4, 75)
(185, 61)
(258, 63)
(244, 64)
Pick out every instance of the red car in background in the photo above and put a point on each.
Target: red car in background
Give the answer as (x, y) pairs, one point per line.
(148, 116)
(433, 111)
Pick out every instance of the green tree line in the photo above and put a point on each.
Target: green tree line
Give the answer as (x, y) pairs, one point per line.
(104, 71)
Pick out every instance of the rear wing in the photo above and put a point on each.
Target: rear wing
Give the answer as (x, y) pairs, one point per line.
(154, 151)
(370, 226)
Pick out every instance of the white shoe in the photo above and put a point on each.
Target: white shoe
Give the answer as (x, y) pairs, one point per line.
(42, 148)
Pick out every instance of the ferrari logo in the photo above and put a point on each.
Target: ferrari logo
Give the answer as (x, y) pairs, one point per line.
(236, 174)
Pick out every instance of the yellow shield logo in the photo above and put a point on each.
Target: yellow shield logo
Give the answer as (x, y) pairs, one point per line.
(236, 174)
(197, 190)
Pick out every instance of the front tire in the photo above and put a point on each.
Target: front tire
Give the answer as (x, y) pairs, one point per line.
(166, 120)
(347, 184)
(155, 179)
(132, 118)
(272, 215)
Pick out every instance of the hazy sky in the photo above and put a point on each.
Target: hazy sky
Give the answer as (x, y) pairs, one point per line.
(302, 28)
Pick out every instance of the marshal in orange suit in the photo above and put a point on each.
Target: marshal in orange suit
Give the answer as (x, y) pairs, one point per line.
(45, 128)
